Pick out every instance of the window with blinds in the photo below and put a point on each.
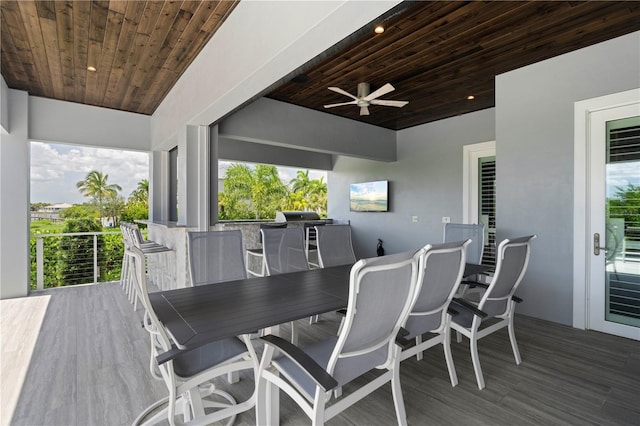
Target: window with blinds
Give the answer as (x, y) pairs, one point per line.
(487, 206)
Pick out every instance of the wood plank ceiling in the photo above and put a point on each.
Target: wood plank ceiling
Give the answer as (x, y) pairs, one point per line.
(139, 48)
(437, 53)
(434, 53)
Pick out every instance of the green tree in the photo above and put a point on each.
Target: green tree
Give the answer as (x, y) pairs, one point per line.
(626, 205)
(301, 183)
(96, 186)
(37, 206)
(113, 208)
(78, 211)
(308, 194)
(134, 211)
(252, 193)
(76, 251)
(141, 193)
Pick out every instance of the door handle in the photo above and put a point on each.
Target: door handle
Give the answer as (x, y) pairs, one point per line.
(596, 244)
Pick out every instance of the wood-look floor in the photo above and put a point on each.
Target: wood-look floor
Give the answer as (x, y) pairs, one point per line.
(89, 366)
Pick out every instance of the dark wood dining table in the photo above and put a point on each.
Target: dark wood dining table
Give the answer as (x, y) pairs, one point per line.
(195, 316)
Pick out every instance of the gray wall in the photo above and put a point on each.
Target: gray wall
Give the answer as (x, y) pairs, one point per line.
(426, 181)
(285, 125)
(535, 137)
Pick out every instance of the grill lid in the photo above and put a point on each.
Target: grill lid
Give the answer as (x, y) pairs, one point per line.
(296, 216)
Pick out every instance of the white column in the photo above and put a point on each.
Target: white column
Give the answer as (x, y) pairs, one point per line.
(159, 186)
(14, 198)
(193, 177)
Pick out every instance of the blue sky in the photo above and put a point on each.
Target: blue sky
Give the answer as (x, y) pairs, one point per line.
(56, 168)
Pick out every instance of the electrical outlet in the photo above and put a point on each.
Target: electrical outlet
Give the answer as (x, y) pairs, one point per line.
(446, 219)
(414, 219)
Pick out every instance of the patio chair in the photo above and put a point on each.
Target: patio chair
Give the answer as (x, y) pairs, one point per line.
(257, 253)
(215, 256)
(311, 244)
(381, 293)
(284, 252)
(496, 301)
(334, 245)
(474, 232)
(189, 376)
(441, 269)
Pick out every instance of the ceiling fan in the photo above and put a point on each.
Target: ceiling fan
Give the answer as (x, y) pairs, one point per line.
(364, 98)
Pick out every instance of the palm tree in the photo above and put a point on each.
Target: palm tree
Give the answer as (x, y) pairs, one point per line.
(301, 183)
(141, 193)
(258, 191)
(309, 193)
(95, 186)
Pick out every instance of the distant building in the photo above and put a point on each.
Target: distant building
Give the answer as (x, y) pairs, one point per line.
(50, 212)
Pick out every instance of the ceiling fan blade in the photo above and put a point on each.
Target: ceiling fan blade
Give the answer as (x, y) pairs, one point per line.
(381, 91)
(364, 110)
(384, 102)
(340, 104)
(342, 92)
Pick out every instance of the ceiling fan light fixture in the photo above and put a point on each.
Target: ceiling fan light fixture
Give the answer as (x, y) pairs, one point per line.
(379, 29)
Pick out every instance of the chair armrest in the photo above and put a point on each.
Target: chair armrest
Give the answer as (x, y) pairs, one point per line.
(473, 283)
(400, 338)
(304, 361)
(168, 355)
(469, 307)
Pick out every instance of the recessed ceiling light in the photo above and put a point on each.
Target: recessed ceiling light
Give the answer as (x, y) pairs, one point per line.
(379, 29)
(471, 97)
(91, 69)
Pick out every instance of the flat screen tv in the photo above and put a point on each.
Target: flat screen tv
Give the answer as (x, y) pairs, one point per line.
(369, 196)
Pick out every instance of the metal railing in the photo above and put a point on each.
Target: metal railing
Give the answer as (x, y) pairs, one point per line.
(75, 258)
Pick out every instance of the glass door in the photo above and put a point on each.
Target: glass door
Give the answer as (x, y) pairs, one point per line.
(615, 221)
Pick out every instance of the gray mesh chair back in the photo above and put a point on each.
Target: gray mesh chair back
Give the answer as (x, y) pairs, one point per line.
(382, 291)
(215, 256)
(462, 231)
(283, 250)
(334, 245)
(441, 269)
(513, 258)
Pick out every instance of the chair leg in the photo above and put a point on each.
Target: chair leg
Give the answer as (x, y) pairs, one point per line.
(396, 390)
(265, 392)
(318, 410)
(473, 345)
(514, 344)
(419, 355)
(446, 344)
(294, 333)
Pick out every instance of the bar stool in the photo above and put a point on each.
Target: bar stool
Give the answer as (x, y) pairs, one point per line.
(157, 274)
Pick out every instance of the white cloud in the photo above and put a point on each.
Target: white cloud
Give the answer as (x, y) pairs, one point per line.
(55, 169)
